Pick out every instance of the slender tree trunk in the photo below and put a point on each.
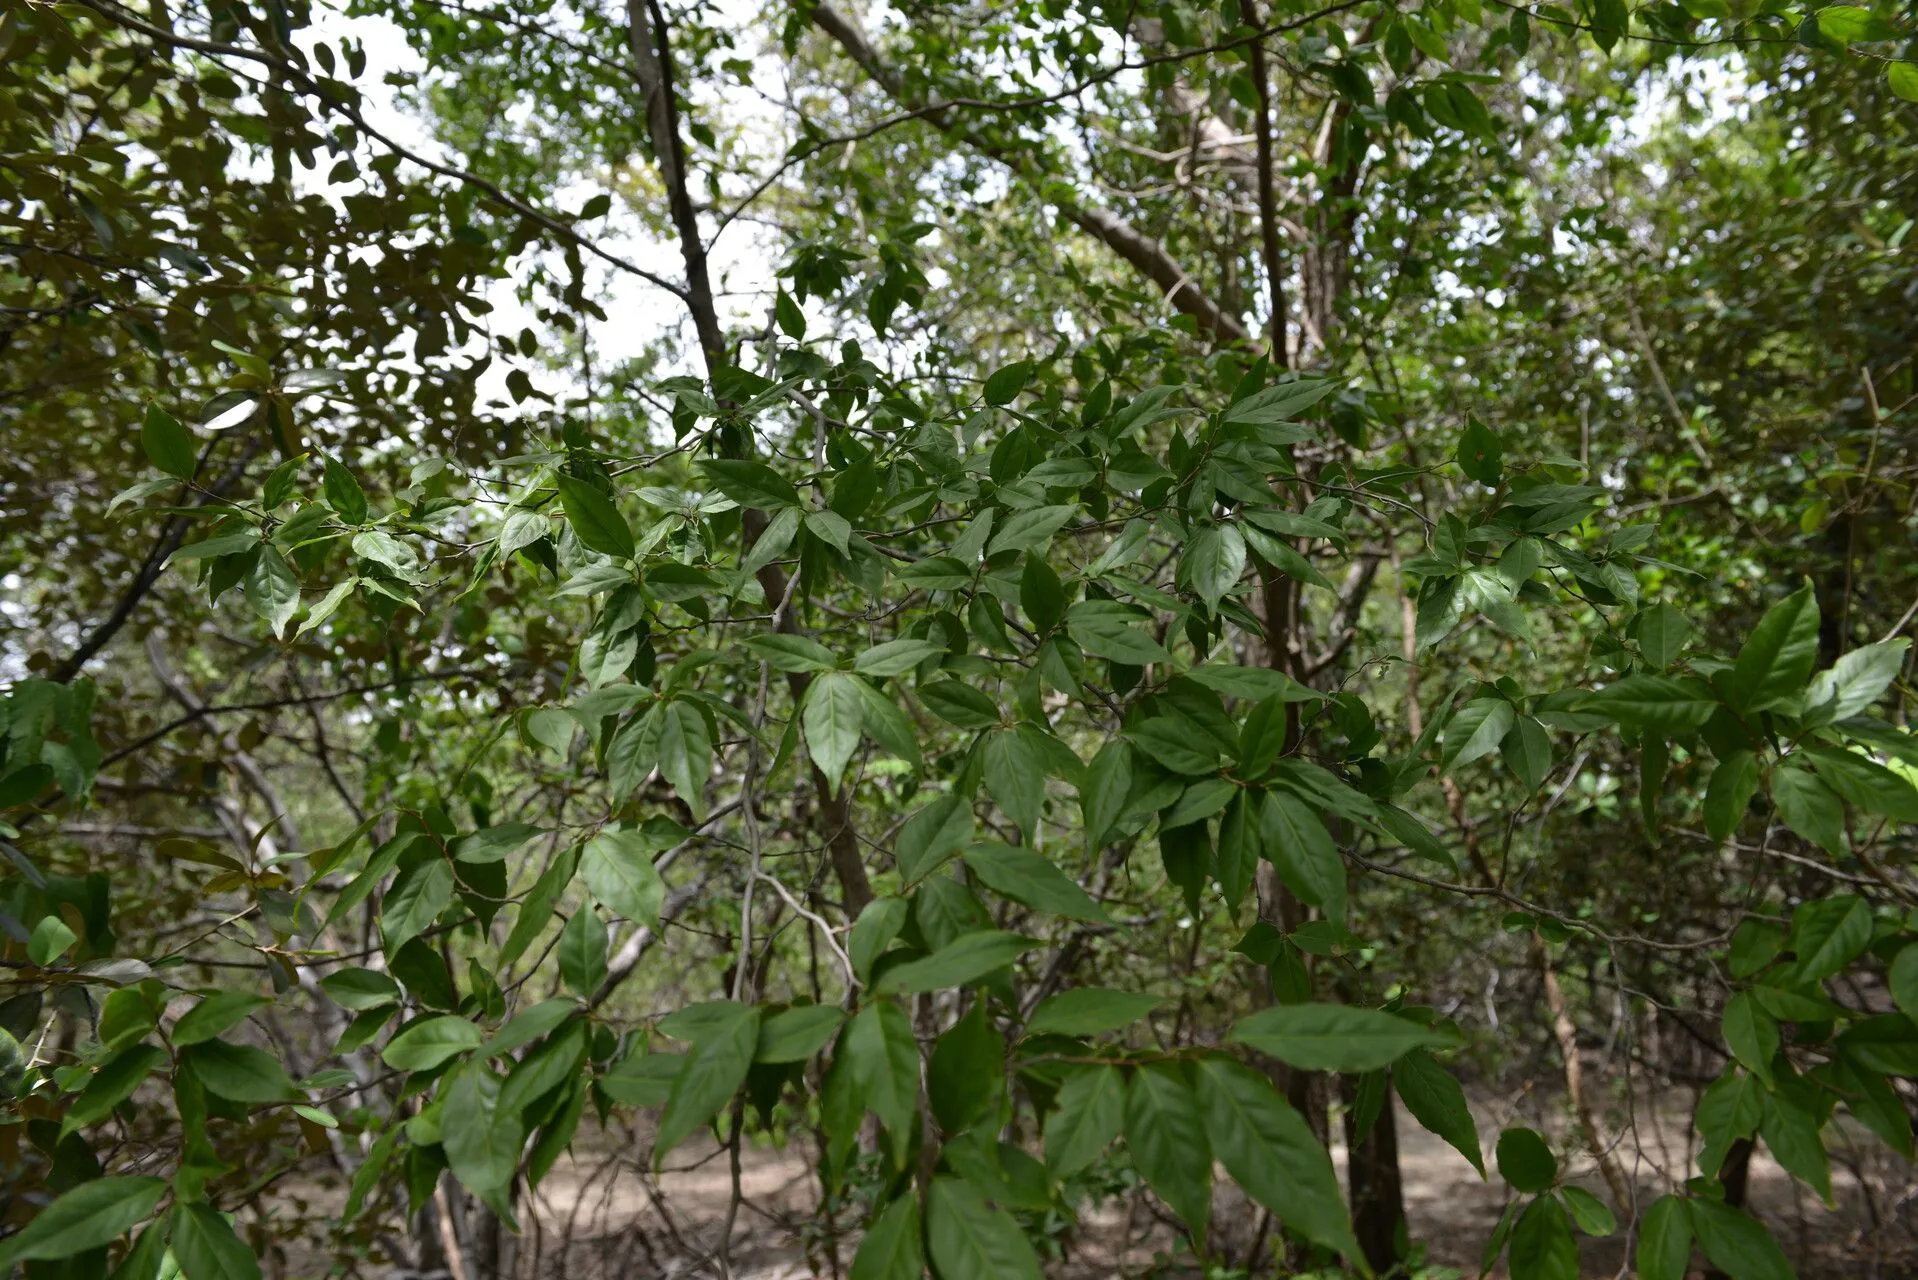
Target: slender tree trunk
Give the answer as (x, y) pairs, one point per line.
(1372, 1176)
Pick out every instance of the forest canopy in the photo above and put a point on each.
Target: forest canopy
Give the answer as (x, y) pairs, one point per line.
(996, 639)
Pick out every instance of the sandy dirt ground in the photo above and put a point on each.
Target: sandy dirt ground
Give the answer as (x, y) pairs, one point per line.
(620, 1225)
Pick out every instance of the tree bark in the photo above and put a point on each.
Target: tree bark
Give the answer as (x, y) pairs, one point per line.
(1372, 1177)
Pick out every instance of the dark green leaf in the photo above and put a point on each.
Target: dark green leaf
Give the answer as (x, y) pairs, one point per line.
(1091, 1110)
(1166, 1134)
(596, 522)
(204, 1245)
(891, 1249)
(1436, 1101)
(970, 1240)
(1271, 1152)
(712, 1073)
(1525, 1161)
(1335, 1037)
(1029, 877)
(964, 960)
(168, 445)
(1543, 1247)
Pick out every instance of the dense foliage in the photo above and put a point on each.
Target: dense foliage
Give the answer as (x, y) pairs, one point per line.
(1029, 602)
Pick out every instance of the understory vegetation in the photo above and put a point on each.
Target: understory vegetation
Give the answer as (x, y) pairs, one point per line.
(1005, 639)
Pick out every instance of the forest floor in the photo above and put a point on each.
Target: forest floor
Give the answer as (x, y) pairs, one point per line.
(619, 1226)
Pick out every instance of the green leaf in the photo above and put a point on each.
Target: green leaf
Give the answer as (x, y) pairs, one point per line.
(1809, 807)
(1089, 1115)
(482, 1136)
(896, 657)
(878, 924)
(272, 592)
(796, 1034)
(1903, 79)
(90, 1215)
(1165, 1132)
(415, 901)
(1006, 382)
(1272, 1154)
(1031, 878)
(1752, 1034)
(1593, 1216)
(536, 910)
(1015, 775)
(936, 573)
(528, 1025)
(1777, 658)
(643, 1079)
(1829, 934)
(1733, 783)
(343, 493)
(1864, 783)
(832, 529)
(1198, 802)
(493, 844)
(1480, 454)
(1212, 562)
(214, 1015)
(582, 951)
(111, 1085)
(1525, 1161)
(1104, 629)
(1041, 594)
(237, 1072)
(965, 1077)
(1335, 1037)
(1476, 731)
(960, 962)
(1852, 24)
(49, 940)
(792, 653)
(1436, 1101)
(429, 1042)
(1903, 978)
(1178, 744)
(931, 836)
(968, 1239)
(959, 704)
(750, 484)
(1281, 403)
(1736, 1243)
(1792, 1135)
(712, 1073)
(1855, 681)
(1527, 752)
(618, 869)
(1029, 529)
(1301, 850)
(383, 548)
(168, 445)
(1543, 1247)
(1664, 703)
(1662, 632)
(596, 522)
(833, 717)
(1089, 1011)
(884, 1058)
(1412, 832)
(204, 1245)
(891, 1248)
(686, 751)
(1665, 1241)
(361, 989)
